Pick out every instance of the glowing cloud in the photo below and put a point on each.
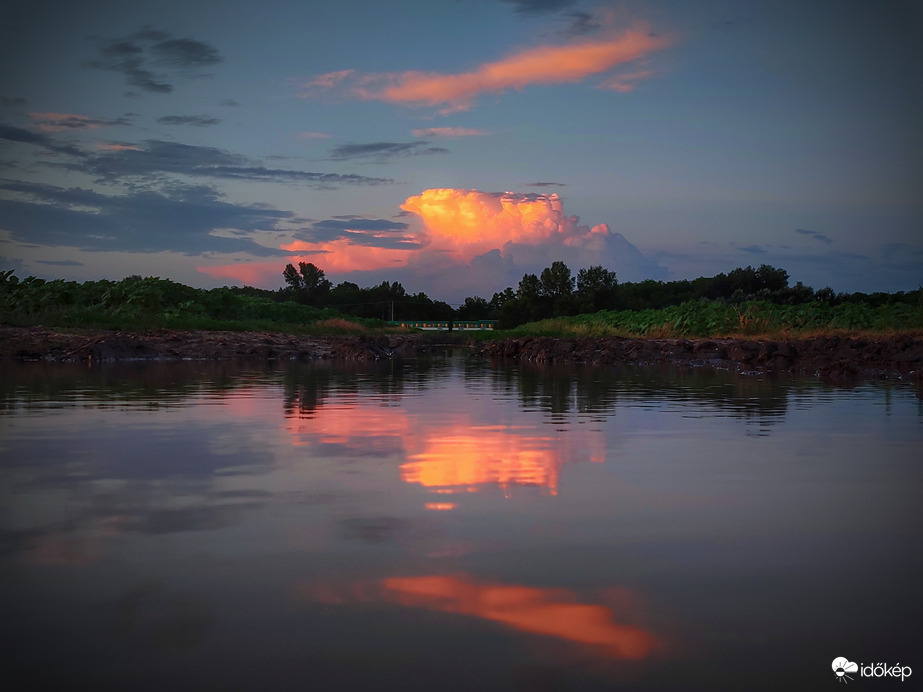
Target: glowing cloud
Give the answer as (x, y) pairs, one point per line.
(450, 132)
(468, 223)
(455, 227)
(544, 65)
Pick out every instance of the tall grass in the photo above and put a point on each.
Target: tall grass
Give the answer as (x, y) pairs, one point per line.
(713, 319)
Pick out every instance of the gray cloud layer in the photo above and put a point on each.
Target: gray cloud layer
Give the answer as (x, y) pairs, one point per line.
(814, 234)
(148, 58)
(180, 220)
(197, 120)
(360, 231)
(156, 209)
(384, 151)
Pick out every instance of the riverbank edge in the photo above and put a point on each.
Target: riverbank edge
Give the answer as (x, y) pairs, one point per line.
(832, 357)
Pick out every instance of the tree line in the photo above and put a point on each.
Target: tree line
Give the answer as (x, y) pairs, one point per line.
(308, 297)
(557, 292)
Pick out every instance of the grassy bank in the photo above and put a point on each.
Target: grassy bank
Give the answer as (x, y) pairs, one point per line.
(139, 303)
(749, 319)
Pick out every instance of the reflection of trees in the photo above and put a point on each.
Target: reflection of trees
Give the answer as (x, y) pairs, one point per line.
(308, 385)
(597, 390)
(140, 383)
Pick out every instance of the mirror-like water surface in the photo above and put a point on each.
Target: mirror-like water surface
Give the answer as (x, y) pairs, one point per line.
(451, 524)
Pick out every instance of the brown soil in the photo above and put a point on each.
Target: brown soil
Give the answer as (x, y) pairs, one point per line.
(830, 357)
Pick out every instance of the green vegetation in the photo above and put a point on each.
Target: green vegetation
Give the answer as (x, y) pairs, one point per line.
(750, 318)
(142, 303)
(745, 302)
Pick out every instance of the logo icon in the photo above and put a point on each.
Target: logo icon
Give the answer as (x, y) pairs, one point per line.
(842, 666)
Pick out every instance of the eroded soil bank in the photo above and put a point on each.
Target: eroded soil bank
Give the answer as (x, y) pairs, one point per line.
(830, 357)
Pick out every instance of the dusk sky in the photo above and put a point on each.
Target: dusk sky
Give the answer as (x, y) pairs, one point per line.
(454, 145)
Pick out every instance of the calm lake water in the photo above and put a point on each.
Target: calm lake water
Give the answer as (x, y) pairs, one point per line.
(449, 524)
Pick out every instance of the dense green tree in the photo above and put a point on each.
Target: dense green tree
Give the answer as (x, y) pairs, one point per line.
(596, 288)
(474, 308)
(556, 281)
(530, 287)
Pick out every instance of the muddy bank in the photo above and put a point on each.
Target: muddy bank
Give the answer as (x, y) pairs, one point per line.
(830, 357)
(96, 346)
(833, 357)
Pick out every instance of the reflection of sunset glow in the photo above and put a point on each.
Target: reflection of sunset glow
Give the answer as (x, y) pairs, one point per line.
(448, 459)
(441, 506)
(354, 425)
(542, 611)
(475, 456)
(549, 612)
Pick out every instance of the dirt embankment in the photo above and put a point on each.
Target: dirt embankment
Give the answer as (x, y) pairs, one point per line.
(833, 357)
(39, 343)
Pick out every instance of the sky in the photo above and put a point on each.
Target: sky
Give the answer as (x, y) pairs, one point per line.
(455, 145)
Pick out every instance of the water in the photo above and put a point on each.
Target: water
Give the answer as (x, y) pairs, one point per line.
(449, 524)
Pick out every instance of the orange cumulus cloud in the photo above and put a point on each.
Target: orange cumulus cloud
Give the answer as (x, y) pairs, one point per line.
(468, 223)
(542, 65)
(457, 226)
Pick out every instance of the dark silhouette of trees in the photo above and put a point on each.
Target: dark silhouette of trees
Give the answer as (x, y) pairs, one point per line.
(596, 288)
(554, 292)
(307, 283)
(474, 308)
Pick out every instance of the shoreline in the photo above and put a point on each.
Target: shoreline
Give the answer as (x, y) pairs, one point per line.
(838, 358)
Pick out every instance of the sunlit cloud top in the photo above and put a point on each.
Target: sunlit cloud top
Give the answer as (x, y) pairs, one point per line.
(544, 65)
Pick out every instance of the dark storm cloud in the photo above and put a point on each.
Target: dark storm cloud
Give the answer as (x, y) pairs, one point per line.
(383, 151)
(359, 231)
(148, 58)
(814, 234)
(228, 102)
(544, 184)
(197, 120)
(8, 102)
(179, 220)
(539, 6)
